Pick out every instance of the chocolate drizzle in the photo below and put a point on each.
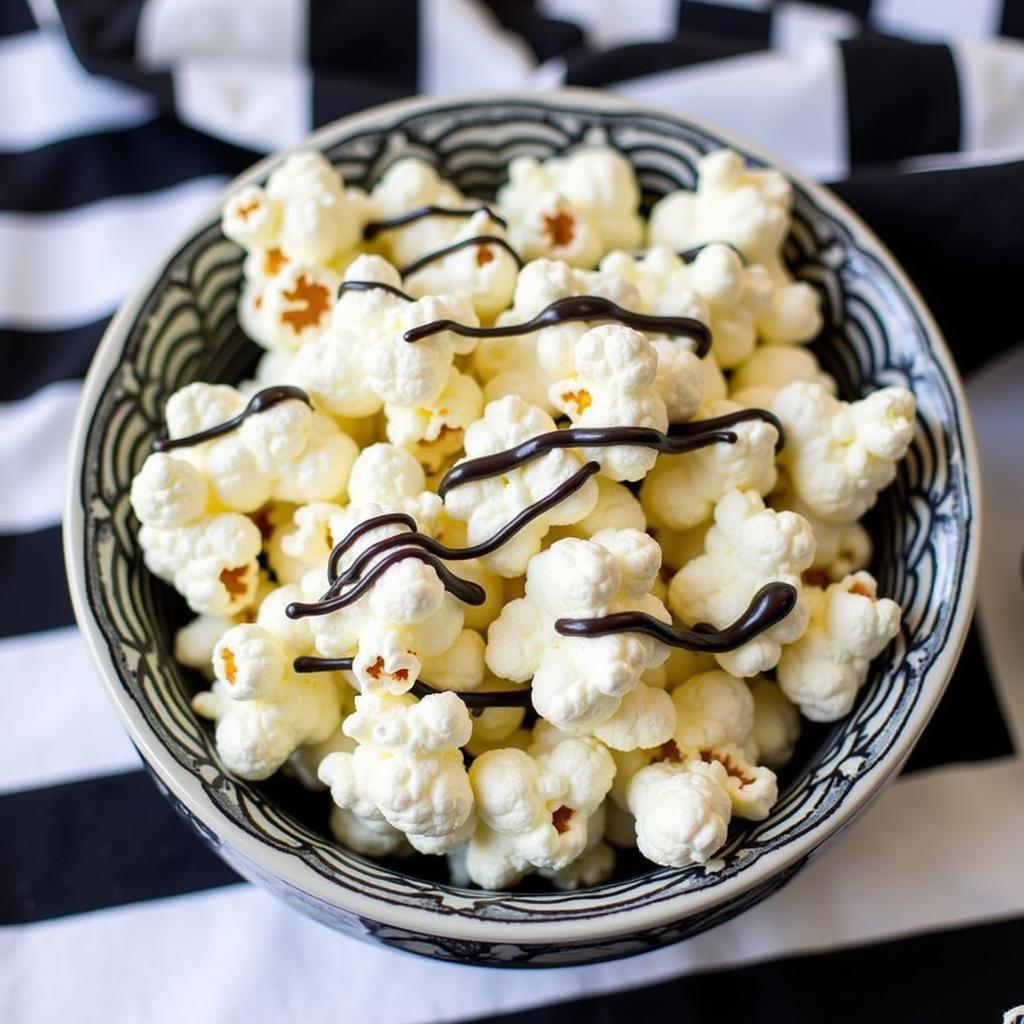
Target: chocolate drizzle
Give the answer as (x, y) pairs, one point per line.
(684, 437)
(370, 286)
(260, 402)
(464, 243)
(406, 540)
(771, 604)
(577, 308)
(689, 255)
(375, 227)
(421, 688)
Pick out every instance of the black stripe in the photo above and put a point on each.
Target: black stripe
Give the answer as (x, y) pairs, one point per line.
(858, 8)
(546, 37)
(965, 974)
(957, 235)
(335, 96)
(1012, 21)
(97, 843)
(33, 587)
(33, 359)
(902, 99)
(723, 20)
(146, 158)
(374, 42)
(16, 17)
(969, 724)
(639, 59)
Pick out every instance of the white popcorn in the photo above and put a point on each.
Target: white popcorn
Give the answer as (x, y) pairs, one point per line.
(614, 385)
(405, 618)
(534, 808)
(849, 625)
(617, 509)
(372, 837)
(682, 812)
(841, 455)
(756, 380)
(751, 211)
(592, 867)
(716, 724)
(195, 641)
(483, 273)
(301, 541)
(209, 558)
(572, 208)
(485, 506)
(264, 710)
(407, 767)
(776, 724)
(748, 547)
(291, 309)
(681, 491)
(580, 682)
(386, 474)
(842, 548)
(435, 430)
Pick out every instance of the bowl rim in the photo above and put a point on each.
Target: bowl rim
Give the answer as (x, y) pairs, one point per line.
(186, 787)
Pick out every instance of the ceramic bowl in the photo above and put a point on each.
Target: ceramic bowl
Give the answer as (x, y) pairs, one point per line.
(180, 326)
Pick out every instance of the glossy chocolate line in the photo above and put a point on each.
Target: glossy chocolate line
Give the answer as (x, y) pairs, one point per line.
(482, 699)
(360, 529)
(689, 255)
(771, 604)
(685, 437)
(577, 308)
(697, 428)
(370, 286)
(375, 227)
(439, 254)
(465, 590)
(260, 402)
(507, 532)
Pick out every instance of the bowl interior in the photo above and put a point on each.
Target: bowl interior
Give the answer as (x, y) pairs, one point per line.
(186, 330)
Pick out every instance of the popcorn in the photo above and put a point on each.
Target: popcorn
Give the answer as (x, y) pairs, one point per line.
(264, 710)
(407, 768)
(751, 211)
(849, 625)
(614, 386)
(580, 682)
(616, 509)
(534, 808)
(209, 558)
(287, 452)
(748, 546)
(776, 724)
(755, 382)
(292, 308)
(405, 619)
(573, 208)
(386, 474)
(681, 491)
(485, 506)
(840, 455)
(305, 213)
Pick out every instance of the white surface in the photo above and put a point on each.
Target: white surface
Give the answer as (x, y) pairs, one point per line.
(991, 76)
(36, 432)
(928, 20)
(64, 269)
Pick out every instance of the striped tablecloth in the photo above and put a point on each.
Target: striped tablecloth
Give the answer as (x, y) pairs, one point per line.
(120, 119)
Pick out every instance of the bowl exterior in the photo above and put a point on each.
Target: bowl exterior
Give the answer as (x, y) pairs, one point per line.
(182, 327)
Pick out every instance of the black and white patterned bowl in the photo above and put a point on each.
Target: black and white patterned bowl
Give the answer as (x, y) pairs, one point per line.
(181, 326)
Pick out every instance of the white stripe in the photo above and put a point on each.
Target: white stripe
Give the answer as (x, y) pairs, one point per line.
(59, 725)
(610, 23)
(36, 432)
(45, 12)
(991, 76)
(47, 95)
(463, 48)
(800, 24)
(928, 20)
(995, 399)
(938, 850)
(63, 269)
(173, 30)
(260, 105)
(791, 103)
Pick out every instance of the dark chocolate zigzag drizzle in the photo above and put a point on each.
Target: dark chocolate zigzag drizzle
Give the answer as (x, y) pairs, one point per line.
(681, 438)
(260, 402)
(577, 308)
(376, 227)
(464, 243)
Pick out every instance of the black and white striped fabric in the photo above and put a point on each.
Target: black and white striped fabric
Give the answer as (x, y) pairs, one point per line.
(120, 120)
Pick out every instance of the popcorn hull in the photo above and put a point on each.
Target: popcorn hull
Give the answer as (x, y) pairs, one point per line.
(182, 326)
